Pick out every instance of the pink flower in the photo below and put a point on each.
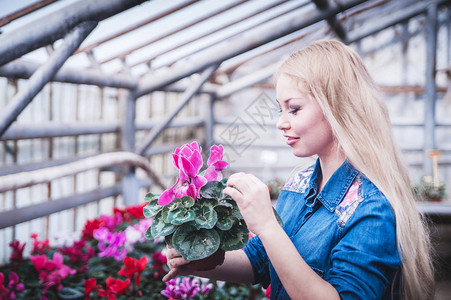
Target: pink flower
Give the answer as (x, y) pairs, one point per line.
(51, 272)
(185, 289)
(14, 286)
(111, 244)
(188, 160)
(215, 163)
(39, 261)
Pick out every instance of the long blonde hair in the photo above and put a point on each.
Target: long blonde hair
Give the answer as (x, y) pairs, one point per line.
(336, 77)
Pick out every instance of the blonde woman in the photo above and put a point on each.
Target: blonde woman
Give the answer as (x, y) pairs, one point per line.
(351, 229)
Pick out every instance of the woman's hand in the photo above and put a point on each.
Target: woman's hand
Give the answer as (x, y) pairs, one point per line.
(175, 263)
(253, 200)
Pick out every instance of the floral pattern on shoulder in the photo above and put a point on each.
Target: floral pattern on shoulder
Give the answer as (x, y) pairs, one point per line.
(299, 182)
(349, 203)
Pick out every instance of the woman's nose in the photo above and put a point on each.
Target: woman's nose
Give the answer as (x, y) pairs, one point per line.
(282, 123)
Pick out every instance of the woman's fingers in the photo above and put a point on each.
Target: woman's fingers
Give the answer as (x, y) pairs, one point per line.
(171, 275)
(174, 261)
(233, 192)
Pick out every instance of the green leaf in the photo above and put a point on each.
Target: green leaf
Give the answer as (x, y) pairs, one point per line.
(150, 197)
(206, 216)
(148, 234)
(152, 208)
(161, 228)
(187, 201)
(213, 190)
(180, 215)
(225, 203)
(225, 217)
(193, 244)
(174, 204)
(235, 238)
(69, 293)
(235, 210)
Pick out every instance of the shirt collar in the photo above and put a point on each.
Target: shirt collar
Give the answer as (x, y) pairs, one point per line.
(335, 188)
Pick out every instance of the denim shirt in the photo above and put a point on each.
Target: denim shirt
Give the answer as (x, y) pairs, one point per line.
(346, 233)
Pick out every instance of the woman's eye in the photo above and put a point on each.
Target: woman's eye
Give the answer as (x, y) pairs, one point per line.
(294, 110)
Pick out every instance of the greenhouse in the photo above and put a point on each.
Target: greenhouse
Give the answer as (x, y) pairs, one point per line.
(129, 130)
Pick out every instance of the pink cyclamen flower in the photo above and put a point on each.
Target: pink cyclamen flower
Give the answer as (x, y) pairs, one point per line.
(111, 244)
(51, 272)
(188, 159)
(215, 163)
(185, 289)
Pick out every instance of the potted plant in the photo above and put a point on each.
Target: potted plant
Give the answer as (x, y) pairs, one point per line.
(194, 215)
(426, 190)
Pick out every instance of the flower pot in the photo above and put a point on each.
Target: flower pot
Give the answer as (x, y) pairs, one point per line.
(208, 263)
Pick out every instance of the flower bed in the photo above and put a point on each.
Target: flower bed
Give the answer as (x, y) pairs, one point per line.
(112, 260)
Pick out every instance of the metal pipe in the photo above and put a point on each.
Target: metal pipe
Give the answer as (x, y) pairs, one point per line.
(211, 43)
(24, 70)
(44, 74)
(186, 97)
(336, 26)
(246, 81)
(407, 13)
(24, 11)
(240, 44)
(54, 26)
(127, 128)
(25, 179)
(430, 85)
(209, 122)
(209, 33)
(24, 214)
(90, 47)
(57, 129)
(60, 129)
(170, 33)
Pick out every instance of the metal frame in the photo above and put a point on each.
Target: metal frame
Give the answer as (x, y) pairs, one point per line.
(81, 17)
(43, 74)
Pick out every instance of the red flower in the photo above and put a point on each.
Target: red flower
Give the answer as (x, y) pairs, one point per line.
(79, 254)
(133, 266)
(90, 285)
(136, 211)
(89, 228)
(39, 247)
(17, 254)
(114, 286)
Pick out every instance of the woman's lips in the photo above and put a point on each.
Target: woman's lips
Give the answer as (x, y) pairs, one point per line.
(291, 140)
